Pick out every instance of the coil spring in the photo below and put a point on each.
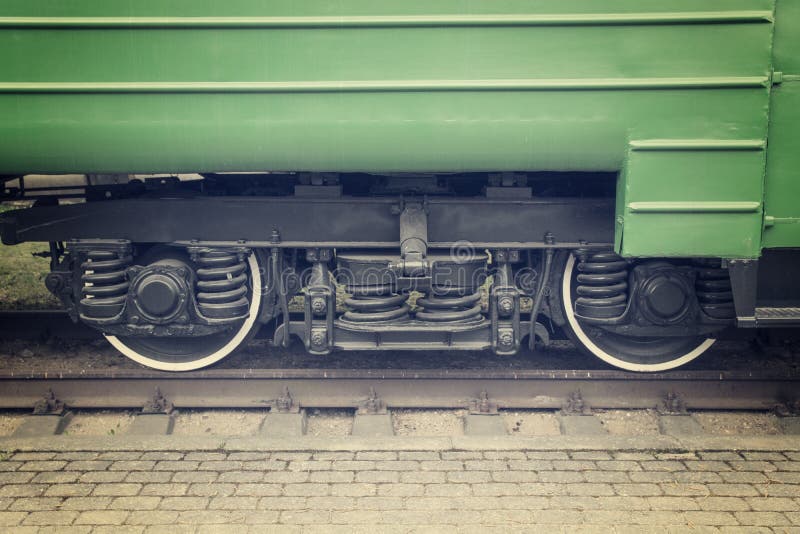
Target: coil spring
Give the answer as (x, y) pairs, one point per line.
(375, 304)
(105, 283)
(222, 285)
(602, 286)
(450, 304)
(714, 293)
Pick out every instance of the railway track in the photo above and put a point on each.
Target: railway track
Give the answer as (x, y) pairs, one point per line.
(409, 388)
(539, 389)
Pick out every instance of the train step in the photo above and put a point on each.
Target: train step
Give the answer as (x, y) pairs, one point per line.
(774, 316)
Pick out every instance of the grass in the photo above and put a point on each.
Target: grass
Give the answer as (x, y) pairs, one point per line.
(22, 275)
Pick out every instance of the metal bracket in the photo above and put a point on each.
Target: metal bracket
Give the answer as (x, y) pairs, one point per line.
(744, 283)
(672, 404)
(285, 403)
(49, 405)
(482, 405)
(413, 240)
(373, 405)
(320, 304)
(504, 306)
(575, 405)
(787, 408)
(158, 404)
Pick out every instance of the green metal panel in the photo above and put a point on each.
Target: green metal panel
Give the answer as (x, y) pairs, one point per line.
(357, 85)
(782, 201)
(691, 198)
(155, 86)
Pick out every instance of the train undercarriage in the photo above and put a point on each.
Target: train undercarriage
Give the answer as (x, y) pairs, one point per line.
(178, 275)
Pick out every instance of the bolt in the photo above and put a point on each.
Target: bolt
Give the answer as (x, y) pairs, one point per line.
(505, 305)
(134, 319)
(318, 305)
(483, 404)
(505, 338)
(318, 338)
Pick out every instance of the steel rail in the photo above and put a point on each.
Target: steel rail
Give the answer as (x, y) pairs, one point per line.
(412, 388)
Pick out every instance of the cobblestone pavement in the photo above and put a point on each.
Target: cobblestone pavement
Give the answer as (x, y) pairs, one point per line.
(400, 491)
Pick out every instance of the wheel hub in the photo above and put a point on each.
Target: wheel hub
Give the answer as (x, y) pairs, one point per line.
(158, 295)
(664, 298)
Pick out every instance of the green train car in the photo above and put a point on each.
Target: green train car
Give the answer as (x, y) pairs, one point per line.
(626, 170)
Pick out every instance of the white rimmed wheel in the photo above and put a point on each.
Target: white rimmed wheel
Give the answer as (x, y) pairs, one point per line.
(642, 354)
(190, 353)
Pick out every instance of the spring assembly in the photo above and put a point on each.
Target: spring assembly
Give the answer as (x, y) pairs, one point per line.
(222, 285)
(105, 284)
(714, 294)
(375, 304)
(602, 286)
(450, 304)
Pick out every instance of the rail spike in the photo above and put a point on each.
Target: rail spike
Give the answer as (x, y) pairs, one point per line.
(483, 405)
(575, 405)
(672, 404)
(49, 405)
(373, 405)
(158, 404)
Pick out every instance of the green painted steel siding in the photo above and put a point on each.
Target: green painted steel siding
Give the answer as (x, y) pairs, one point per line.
(358, 85)
(372, 86)
(782, 201)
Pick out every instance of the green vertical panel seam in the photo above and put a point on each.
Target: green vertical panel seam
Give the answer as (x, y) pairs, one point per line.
(769, 117)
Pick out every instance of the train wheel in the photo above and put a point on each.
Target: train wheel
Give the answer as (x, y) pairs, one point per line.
(650, 354)
(190, 353)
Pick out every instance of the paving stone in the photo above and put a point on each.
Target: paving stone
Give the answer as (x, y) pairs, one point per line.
(240, 476)
(733, 490)
(773, 519)
(10, 519)
(31, 455)
(43, 465)
(183, 503)
(723, 504)
(69, 490)
(372, 425)
(752, 465)
(47, 477)
(176, 465)
(164, 490)
(135, 503)
(152, 517)
(105, 517)
(86, 503)
(371, 476)
(132, 465)
(581, 425)
(259, 490)
(40, 425)
(772, 504)
(190, 476)
(21, 477)
(711, 518)
(215, 489)
(120, 489)
(153, 477)
(23, 490)
(34, 504)
(50, 518)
